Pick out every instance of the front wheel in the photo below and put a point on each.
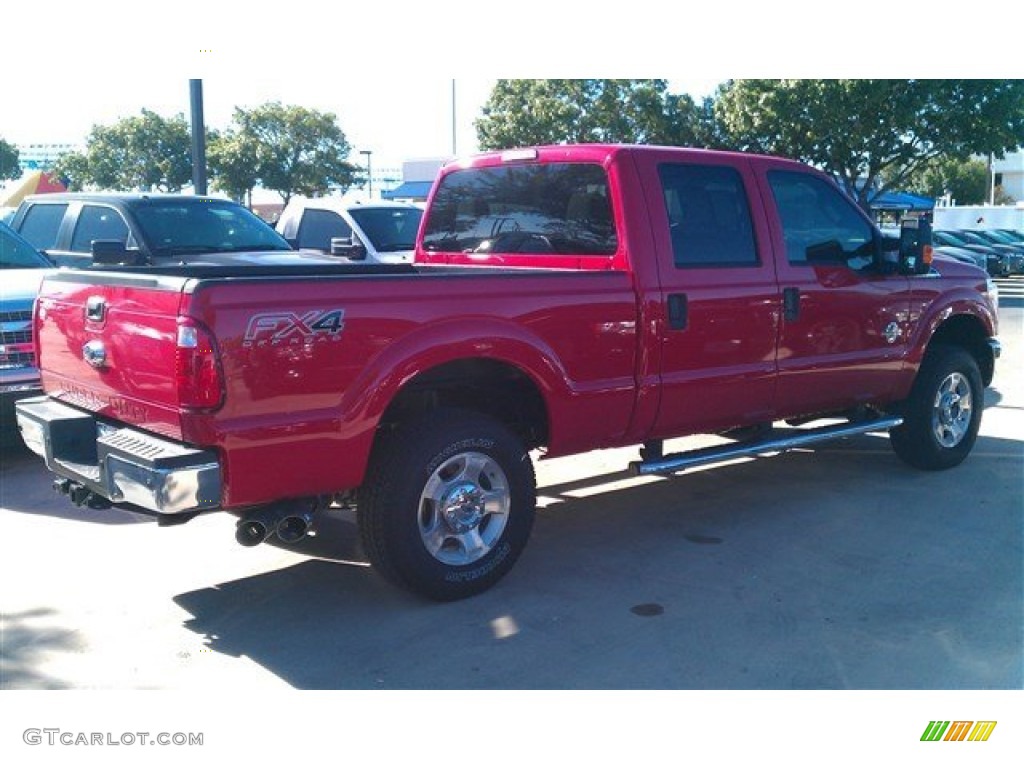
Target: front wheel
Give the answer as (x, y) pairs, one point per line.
(942, 416)
(448, 504)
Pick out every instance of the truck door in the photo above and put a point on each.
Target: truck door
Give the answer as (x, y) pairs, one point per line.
(720, 301)
(845, 315)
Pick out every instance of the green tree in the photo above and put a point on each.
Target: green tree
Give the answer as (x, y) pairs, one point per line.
(535, 112)
(73, 169)
(233, 165)
(145, 152)
(873, 134)
(291, 150)
(966, 181)
(9, 168)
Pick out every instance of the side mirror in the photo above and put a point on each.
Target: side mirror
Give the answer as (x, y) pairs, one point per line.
(915, 254)
(108, 252)
(828, 252)
(349, 247)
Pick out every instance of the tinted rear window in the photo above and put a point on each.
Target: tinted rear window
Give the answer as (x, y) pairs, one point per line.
(42, 223)
(708, 215)
(556, 208)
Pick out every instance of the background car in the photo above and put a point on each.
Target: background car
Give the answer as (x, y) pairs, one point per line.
(22, 268)
(76, 229)
(1014, 254)
(1015, 234)
(378, 232)
(998, 265)
(963, 255)
(1007, 241)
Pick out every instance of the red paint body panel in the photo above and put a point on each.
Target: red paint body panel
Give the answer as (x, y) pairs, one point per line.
(720, 370)
(301, 409)
(309, 410)
(138, 331)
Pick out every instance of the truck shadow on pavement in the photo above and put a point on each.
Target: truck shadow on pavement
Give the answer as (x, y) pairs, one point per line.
(26, 487)
(24, 642)
(820, 569)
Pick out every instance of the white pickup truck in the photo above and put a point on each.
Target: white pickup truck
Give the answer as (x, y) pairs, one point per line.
(377, 232)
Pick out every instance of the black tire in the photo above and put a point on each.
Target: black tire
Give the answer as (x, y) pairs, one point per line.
(939, 430)
(448, 504)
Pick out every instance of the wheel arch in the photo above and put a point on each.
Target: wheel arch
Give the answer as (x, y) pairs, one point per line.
(443, 365)
(494, 387)
(968, 332)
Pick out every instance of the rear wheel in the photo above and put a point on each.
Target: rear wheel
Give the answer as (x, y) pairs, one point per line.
(942, 415)
(448, 504)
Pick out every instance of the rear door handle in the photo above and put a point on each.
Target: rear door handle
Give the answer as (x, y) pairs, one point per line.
(677, 311)
(791, 304)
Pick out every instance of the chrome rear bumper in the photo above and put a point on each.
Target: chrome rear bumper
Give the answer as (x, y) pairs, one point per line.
(120, 464)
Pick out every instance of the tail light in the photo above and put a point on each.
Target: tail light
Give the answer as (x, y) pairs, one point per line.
(197, 367)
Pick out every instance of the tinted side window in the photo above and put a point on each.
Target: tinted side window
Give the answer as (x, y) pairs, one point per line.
(318, 227)
(817, 219)
(97, 222)
(708, 215)
(42, 223)
(15, 253)
(554, 208)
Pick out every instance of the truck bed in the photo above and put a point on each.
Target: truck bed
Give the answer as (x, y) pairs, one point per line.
(309, 357)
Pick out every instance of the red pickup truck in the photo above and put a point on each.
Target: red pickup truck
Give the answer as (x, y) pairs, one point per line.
(563, 298)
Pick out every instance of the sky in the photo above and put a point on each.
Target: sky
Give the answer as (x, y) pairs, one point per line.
(397, 117)
(386, 70)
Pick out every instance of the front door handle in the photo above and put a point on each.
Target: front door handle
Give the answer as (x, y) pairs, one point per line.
(791, 304)
(677, 311)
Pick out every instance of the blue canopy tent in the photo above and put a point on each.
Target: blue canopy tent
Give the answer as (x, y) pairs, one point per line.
(901, 201)
(409, 190)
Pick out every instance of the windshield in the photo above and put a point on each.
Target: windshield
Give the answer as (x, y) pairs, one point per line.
(996, 237)
(971, 237)
(389, 229)
(15, 253)
(176, 227)
(947, 239)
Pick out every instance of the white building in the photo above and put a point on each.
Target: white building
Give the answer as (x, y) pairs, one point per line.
(1009, 174)
(417, 178)
(41, 157)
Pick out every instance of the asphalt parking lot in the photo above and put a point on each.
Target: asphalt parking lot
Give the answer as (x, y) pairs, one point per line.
(832, 568)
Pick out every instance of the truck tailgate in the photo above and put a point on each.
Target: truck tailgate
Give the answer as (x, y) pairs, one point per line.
(107, 343)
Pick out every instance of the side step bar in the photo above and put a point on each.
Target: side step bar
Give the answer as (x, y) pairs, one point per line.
(772, 444)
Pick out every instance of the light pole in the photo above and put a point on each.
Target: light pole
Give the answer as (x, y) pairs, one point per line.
(369, 172)
(195, 88)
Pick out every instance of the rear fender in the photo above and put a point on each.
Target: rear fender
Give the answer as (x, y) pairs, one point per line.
(367, 399)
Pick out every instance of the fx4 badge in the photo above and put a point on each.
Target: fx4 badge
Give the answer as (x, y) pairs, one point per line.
(277, 328)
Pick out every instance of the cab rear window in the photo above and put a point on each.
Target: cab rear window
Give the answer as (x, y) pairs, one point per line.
(555, 208)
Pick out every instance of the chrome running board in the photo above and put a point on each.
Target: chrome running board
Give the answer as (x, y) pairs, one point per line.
(778, 444)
